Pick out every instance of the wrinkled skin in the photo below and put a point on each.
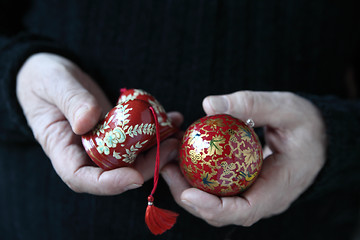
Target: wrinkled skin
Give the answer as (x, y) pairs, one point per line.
(294, 155)
(61, 102)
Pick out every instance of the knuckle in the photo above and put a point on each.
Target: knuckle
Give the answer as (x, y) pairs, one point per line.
(246, 100)
(72, 101)
(55, 71)
(290, 99)
(45, 138)
(59, 69)
(250, 220)
(210, 217)
(39, 137)
(287, 95)
(68, 102)
(49, 137)
(247, 215)
(69, 181)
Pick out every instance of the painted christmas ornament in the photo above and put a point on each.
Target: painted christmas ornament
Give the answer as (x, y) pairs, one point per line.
(136, 123)
(128, 129)
(221, 155)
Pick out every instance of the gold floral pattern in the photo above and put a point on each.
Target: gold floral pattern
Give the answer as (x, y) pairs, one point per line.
(220, 155)
(206, 180)
(215, 147)
(214, 123)
(131, 153)
(126, 130)
(125, 98)
(118, 135)
(195, 157)
(147, 128)
(101, 128)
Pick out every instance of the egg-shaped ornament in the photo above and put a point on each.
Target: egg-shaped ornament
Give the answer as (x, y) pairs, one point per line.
(137, 123)
(128, 129)
(221, 155)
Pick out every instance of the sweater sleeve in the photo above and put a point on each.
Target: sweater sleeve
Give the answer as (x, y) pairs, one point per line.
(342, 166)
(16, 45)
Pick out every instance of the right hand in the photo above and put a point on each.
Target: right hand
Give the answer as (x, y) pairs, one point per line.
(294, 155)
(60, 103)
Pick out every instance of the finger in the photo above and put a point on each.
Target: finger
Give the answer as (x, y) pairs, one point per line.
(77, 103)
(216, 211)
(94, 180)
(97, 92)
(175, 180)
(253, 205)
(177, 185)
(50, 80)
(266, 196)
(176, 118)
(145, 163)
(263, 199)
(74, 168)
(264, 108)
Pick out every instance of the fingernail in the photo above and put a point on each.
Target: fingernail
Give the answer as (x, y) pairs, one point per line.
(219, 104)
(132, 186)
(189, 204)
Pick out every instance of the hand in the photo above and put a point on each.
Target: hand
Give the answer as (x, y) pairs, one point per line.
(60, 102)
(294, 151)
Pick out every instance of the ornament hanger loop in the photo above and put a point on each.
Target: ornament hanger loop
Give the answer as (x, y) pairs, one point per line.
(250, 123)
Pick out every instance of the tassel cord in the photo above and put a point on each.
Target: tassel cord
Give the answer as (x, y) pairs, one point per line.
(158, 220)
(157, 161)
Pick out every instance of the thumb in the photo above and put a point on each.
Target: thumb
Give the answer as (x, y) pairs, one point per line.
(77, 103)
(265, 108)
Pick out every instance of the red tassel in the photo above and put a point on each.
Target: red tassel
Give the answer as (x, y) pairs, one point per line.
(158, 220)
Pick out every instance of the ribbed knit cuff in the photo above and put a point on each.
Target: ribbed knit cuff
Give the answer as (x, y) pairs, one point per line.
(342, 166)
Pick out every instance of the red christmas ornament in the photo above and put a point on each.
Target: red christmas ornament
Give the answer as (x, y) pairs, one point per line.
(128, 129)
(220, 155)
(135, 124)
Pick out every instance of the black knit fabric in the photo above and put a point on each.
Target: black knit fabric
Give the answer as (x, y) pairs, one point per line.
(182, 51)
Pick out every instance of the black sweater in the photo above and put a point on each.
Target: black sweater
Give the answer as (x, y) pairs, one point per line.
(182, 51)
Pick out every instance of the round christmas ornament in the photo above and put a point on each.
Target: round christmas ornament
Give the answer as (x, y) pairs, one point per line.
(221, 155)
(135, 124)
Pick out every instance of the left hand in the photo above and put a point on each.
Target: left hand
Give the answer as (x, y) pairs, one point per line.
(294, 155)
(61, 102)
